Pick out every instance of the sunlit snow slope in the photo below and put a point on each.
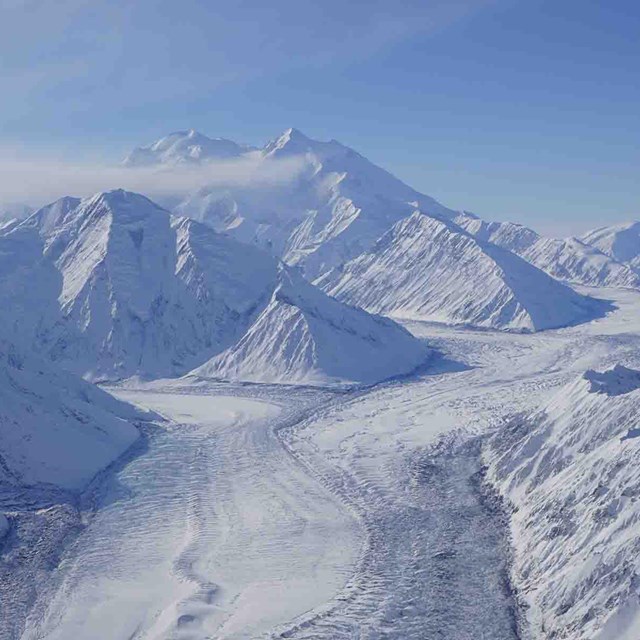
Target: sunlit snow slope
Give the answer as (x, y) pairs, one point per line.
(303, 335)
(54, 427)
(621, 242)
(430, 269)
(332, 206)
(570, 471)
(570, 259)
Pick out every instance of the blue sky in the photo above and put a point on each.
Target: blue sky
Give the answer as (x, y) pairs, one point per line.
(515, 109)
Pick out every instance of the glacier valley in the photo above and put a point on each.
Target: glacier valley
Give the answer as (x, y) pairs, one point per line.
(330, 408)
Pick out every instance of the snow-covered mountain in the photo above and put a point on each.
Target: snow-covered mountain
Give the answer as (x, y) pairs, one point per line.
(335, 205)
(10, 211)
(621, 242)
(570, 259)
(183, 147)
(304, 336)
(54, 427)
(113, 286)
(429, 269)
(570, 471)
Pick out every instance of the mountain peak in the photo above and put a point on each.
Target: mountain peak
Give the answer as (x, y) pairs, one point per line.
(185, 147)
(291, 141)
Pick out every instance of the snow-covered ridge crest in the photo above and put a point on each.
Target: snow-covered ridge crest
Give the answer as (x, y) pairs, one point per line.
(620, 242)
(123, 287)
(569, 259)
(335, 206)
(570, 470)
(304, 336)
(185, 147)
(127, 289)
(430, 269)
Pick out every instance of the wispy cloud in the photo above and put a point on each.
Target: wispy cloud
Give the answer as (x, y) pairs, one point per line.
(36, 181)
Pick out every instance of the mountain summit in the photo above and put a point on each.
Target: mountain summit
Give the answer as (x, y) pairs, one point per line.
(184, 147)
(334, 204)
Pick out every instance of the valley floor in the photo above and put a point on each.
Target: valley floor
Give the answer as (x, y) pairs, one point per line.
(256, 511)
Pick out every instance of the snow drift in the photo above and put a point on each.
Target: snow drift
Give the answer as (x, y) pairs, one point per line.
(304, 336)
(429, 269)
(570, 471)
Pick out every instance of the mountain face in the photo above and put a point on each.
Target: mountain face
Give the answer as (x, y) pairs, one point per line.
(113, 286)
(334, 206)
(429, 269)
(122, 287)
(621, 242)
(304, 336)
(570, 471)
(54, 427)
(184, 147)
(570, 259)
(10, 211)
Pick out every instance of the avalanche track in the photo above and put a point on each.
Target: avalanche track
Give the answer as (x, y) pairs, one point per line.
(274, 512)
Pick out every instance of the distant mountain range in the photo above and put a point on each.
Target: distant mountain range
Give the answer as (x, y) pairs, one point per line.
(340, 203)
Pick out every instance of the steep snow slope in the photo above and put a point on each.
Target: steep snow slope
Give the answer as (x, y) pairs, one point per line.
(334, 205)
(621, 242)
(116, 286)
(570, 471)
(568, 259)
(54, 427)
(428, 269)
(183, 147)
(304, 336)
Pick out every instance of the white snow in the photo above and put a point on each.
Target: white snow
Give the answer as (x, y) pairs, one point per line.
(360, 520)
(183, 147)
(569, 259)
(621, 242)
(304, 336)
(124, 289)
(328, 507)
(430, 269)
(335, 207)
(215, 532)
(570, 470)
(54, 427)
(113, 285)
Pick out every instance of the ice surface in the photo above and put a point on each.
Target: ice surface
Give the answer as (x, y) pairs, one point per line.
(214, 532)
(271, 511)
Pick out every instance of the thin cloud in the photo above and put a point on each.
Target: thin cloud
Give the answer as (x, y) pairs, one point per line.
(36, 181)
